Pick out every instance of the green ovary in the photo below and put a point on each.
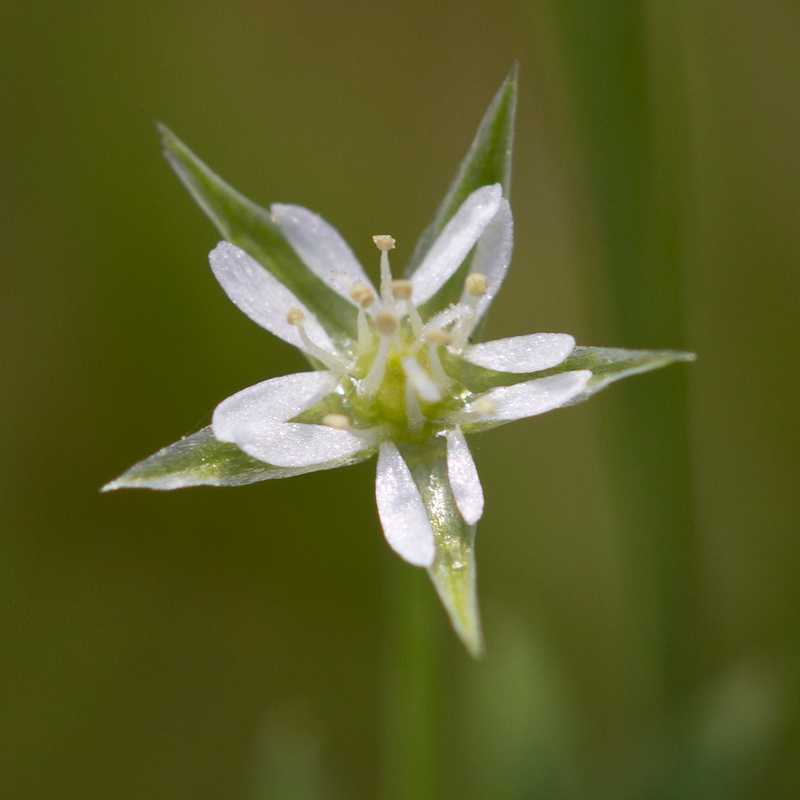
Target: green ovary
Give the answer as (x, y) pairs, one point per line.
(388, 406)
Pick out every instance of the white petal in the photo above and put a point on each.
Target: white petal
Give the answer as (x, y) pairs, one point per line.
(531, 397)
(493, 255)
(522, 353)
(275, 400)
(463, 477)
(455, 241)
(262, 296)
(403, 516)
(321, 248)
(294, 444)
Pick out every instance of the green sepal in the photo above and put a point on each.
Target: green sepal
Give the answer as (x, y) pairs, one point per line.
(607, 364)
(487, 161)
(453, 569)
(202, 460)
(252, 228)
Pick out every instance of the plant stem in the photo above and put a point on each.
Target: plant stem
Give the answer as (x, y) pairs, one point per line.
(411, 744)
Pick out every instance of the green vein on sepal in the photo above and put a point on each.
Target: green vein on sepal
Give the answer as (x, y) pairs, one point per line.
(453, 569)
(487, 161)
(251, 227)
(202, 460)
(607, 364)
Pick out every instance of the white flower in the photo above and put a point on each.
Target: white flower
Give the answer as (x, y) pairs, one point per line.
(395, 372)
(389, 386)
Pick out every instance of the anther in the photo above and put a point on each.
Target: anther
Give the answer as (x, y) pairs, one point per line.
(384, 242)
(296, 317)
(476, 284)
(440, 377)
(362, 295)
(385, 322)
(370, 385)
(437, 336)
(401, 289)
(339, 422)
(485, 405)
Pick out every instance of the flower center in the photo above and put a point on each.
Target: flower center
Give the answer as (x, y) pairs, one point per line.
(395, 376)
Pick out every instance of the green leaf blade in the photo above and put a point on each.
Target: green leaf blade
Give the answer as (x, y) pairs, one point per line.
(453, 569)
(202, 460)
(251, 228)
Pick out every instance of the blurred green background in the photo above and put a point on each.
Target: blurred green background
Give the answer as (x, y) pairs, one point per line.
(638, 560)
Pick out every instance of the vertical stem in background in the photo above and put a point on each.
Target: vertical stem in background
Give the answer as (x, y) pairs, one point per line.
(633, 131)
(411, 744)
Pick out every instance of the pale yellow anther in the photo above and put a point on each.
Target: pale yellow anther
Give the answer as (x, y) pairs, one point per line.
(485, 405)
(385, 322)
(383, 242)
(476, 284)
(362, 294)
(438, 336)
(401, 289)
(339, 422)
(295, 316)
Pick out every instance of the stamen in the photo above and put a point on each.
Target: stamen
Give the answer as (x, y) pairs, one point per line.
(484, 405)
(476, 284)
(401, 289)
(340, 422)
(442, 379)
(421, 381)
(475, 287)
(369, 386)
(362, 295)
(385, 322)
(384, 243)
(364, 333)
(296, 317)
(437, 336)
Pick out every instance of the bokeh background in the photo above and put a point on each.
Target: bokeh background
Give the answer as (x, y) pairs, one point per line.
(638, 560)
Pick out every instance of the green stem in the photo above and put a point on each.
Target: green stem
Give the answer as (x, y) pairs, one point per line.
(628, 96)
(412, 748)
